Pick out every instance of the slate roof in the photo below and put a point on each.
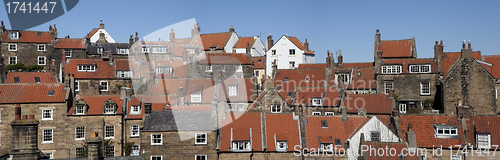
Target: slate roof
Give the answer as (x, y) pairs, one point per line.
(241, 123)
(28, 37)
(261, 64)
(423, 125)
(284, 128)
(396, 48)
(92, 48)
(175, 120)
(226, 58)
(31, 93)
(29, 77)
(373, 103)
(70, 43)
(337, 129)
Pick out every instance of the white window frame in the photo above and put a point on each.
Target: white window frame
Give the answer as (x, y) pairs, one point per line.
(156, 157)
(12, 47)
(163, 69)
(195, 97)
(402, 108)
(145, 49)
(159, 49)
(392, 69)
(44, 60)
(135, 150)
(444, 129)
(316, 113)
(387, 88)
(425, 90)
(239, 146)
(326, 147)
(329, 113)
(134, 130)
(66, 51)
(198, 136)
(109, 132)
(135, 109)
(104, 88)
(208, 68)
(13, 35)
(109, 109)
(86, 68)
(122, 50)
(49, 154)
(455, 157)
(276, 109)
(78, 109)
(78, 130)
(77, 85)
(316, 101)
(100, 50)
(200, 156)
(281, 146)
(153, 138)
(346, 78)
(232, 90)
(50, 137)
(291, 64)
(239, 68)
(419, 68)
(50, 114)
(124, 74)
(483, 141)
(241, 107)
(42, 46)
(15, 61)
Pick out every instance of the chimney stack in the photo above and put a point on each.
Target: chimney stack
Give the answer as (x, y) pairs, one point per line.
(136, 37)
(378, 42)
(269, 42)
(438, 53)
(340, 59)
(195, 31)
(25, 138)
(101, 25)
(2, 26)
(172, 36)
(249, 49)
(131, 40)
(231, 29)
(306, 46)
(466, 52)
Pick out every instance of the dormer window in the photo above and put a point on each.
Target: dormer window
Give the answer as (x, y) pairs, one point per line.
(196, 97)
(124, 74)
(109, 107)
(241, 146)
(281, 146)
(159, 49)
(135, 110)
(100, 50)
(391, 69)
(13, 35)
(208, 68)
(79, 109)
(445, 131)
(86, 68)
(316, 101)
(326, 147)
(483, 140)
(122, 50)
(421, 68)
(346, 77)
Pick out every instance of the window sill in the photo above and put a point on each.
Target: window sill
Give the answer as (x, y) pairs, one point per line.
(109, 138)
(425, 94)
(79, 139)
(157, 144)
(200, 144)
(49, 142)
(47, 119)
(134, 136)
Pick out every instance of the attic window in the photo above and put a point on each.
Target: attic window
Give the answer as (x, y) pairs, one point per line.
(259, 60)
(14, 35)
(445, 131)
(39, 33)
(16, 79)
(338, 142)
(37, 79)
(324, 124)
(307, 79)
(285, 79)
(289, 94)
(51, 93)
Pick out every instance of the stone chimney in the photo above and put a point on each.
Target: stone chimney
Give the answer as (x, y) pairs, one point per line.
(466, 52)
(131, 40)
(136, 37)
(53, 33)
(340, 59)
(269, 42)
(195, 31)
(275, 68)
(438, 54)
(101, 25)
(94, 147)
(343, 110)
(2, 26)
(25, 138)
(231, 29)
(378, 42)
(102, 38)
(172, 36)
(249, 49)
(306, 46)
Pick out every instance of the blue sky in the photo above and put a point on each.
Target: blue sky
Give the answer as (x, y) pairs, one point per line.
(328, 25)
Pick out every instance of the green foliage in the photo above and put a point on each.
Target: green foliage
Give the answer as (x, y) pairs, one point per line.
(428, 103)
(21, 67)
(128, 147)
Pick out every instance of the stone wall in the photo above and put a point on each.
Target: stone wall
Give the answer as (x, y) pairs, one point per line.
(91, 86)
(27, 53)
(180, 145)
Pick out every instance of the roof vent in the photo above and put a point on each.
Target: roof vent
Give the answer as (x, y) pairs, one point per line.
(324, 124)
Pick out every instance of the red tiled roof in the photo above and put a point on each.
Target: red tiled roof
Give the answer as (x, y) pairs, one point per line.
(285, 128)
(299, 44)
(241, 123)
(284, 95)
(484, 124)
(304, 96)
(29, 77)
(261, 64)
(217, 40)
(245, 88)
(258, 99)
(361, 78)
(296, 78)
(396, 48)
(157, 104)
(92, 32)
(449, 58)
(168, 86)
(243, 41)
(311, 65)
(95, 104)
(387, 156)
(337, 129)
(373, 103)
(103, 70)
(226, 58)
(495, 61)
(31, 93)
(355, 65)
(28, 36)
(70, 43)
(424, 129)
(203, 86)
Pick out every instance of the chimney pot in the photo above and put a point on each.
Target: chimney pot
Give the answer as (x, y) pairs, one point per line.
(32, 117)
(25, 117)
(441, 43)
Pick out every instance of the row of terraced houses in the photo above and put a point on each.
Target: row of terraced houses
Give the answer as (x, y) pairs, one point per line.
(223, 96)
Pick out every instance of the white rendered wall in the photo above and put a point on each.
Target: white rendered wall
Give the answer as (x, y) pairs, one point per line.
(108, 37)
